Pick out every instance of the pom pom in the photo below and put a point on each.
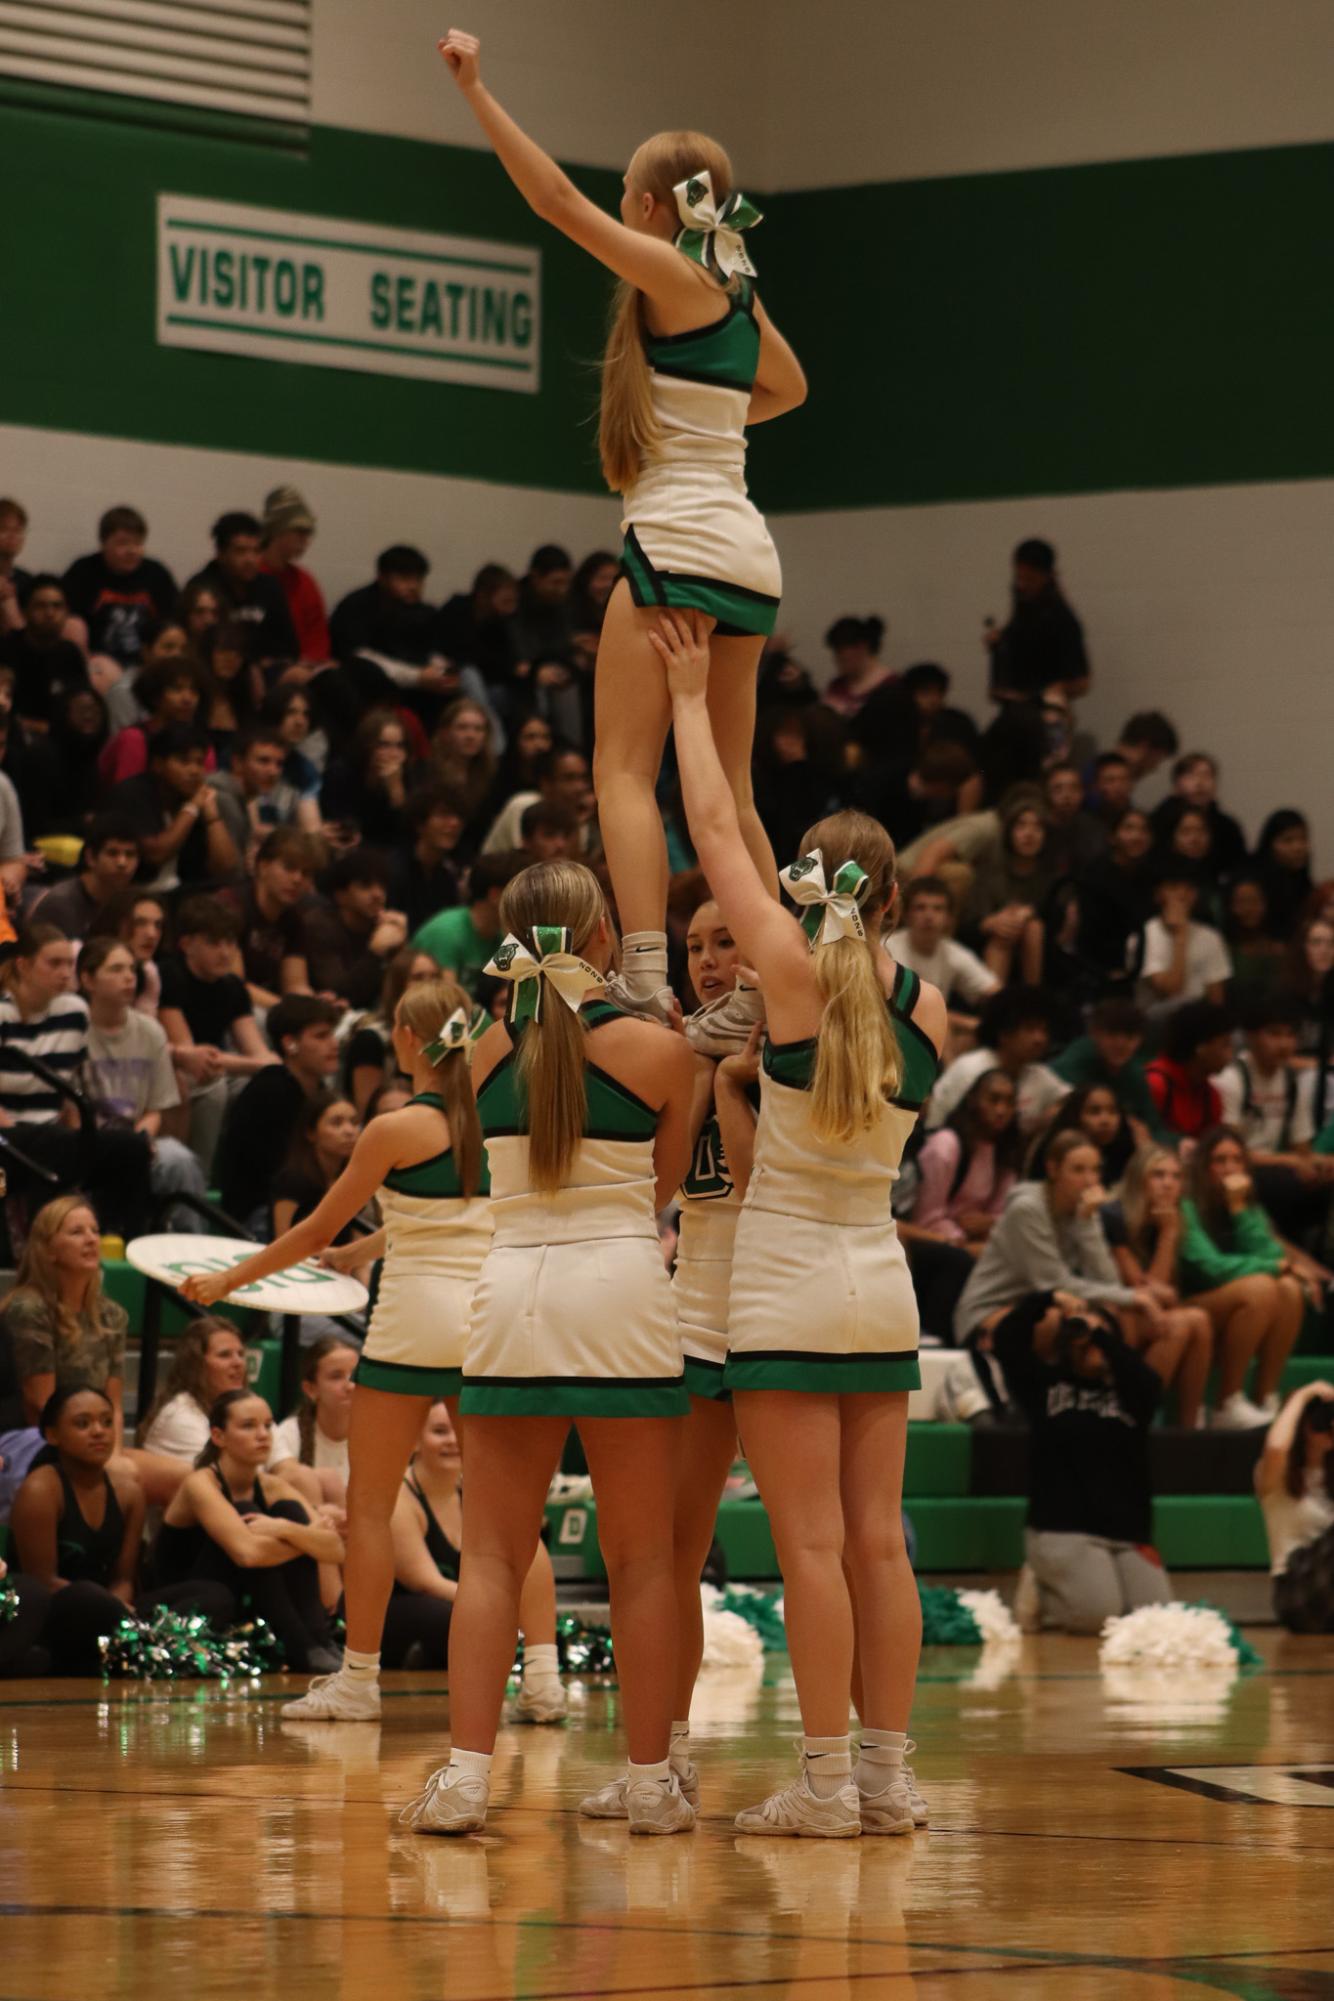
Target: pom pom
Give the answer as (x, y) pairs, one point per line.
(761, 1609)
(995, 1621)
(181, 1646)
(730, 1641)
(946, 1620)
(9, 1603)
(1171, 1636)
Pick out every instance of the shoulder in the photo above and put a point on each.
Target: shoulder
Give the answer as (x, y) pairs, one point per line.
(930, 1014)
(944, 1145)
(41, 1486)
(25, 1311)
(652, 1054)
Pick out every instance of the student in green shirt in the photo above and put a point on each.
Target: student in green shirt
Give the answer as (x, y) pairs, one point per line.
(461, 940)
(1109, 1054)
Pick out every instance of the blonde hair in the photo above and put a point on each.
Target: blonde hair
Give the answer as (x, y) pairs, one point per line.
(37, 1273)
(425, 1008)
(628, 426)
(858, 1062)
(551, 1053)
(1134, 1196)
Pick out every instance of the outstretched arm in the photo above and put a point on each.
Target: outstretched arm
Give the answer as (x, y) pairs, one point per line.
(770, 939)
(648, 262)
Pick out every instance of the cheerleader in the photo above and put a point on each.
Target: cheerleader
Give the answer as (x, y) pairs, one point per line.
(428, 1166)
(822, 1322)
(691, 360)
(586, 1115)
(710, 1197)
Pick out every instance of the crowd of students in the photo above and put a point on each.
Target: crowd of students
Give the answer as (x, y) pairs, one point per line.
(287, 818)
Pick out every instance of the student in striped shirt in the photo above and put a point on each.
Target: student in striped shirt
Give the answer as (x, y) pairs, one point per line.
(40, 1016)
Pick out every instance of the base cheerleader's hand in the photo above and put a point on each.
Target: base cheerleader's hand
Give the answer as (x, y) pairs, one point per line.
(206, 1288)
(463, 55)
(681, 642)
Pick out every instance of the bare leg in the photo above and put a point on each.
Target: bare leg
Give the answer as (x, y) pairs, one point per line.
(632, 712)
(384, 1430)
(889, 1624)
(734, 666)
(1240, 1313)
(709, 1447)
(1032, 951)
(1193, 1367)
(157, 1473)
(633, 1465)
(794, 1443)
(1281, 1339)
(508, 1464)
(537, 1601)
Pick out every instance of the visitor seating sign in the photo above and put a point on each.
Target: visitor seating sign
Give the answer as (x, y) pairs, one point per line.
(305, 288)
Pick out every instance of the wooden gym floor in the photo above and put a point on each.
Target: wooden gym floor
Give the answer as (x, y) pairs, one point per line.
(1101, 1843)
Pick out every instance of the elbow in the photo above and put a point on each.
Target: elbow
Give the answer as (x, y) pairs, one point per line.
(800, 390)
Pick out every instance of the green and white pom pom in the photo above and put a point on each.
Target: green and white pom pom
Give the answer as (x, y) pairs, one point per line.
(1175, 1636)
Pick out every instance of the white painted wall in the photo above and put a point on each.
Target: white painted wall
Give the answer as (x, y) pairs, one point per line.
(1214, 604)
(65, 481)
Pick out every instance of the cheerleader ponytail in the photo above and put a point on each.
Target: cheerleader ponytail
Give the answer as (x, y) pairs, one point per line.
(432, 1010)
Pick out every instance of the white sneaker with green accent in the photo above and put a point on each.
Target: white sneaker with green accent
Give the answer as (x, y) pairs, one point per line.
(889, 1811)
(539, 1702)
(796, 1810)
(453, 1802)
(661, 1005)
(658, 1806)
(608, 1803)
(723, 1027)
(335, 1698)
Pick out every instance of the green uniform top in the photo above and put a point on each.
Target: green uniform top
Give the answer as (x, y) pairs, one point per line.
(794, 1062)
(611, 1111)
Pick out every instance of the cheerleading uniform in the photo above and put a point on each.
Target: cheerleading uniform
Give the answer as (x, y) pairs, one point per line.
(710, 1206)
(821, 1297)
(437, 1239)
(573, 1315)
(693, 537)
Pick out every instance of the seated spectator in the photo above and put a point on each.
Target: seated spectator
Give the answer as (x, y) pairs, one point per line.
(1146, 741)
(941, 783)
(41, 1018)
(385, 637)
(289, 529)
(1283, 863)
(269, 913)
(369, 1062)
(1195, 783)
(1008, 892)
(594, 582)
(783, 681)
(108, 864)
(310, 1446)
(206, 1012)
(260, 1121)
(1013, 1034)
(233, 691)
(183, 836)
(166, 640)
(1188, 851)
(563, 780)
(288, 711)
(547, 832)
(66, 1334)
(119, 592)
(519, 767)
(1257, 956)
(253, 1536)
(1145, 1228)
(1042, 644)
(462, 940)
(1294, 1480)
(169, 693)
(1090, 1400)
(349, 938)
(1309, 980)
(255, 795)
(14, 580)
(1109, 782)
(208, 1358)
(928, 684)
(965, 1172)
(925, 946)
(544, 622)
(1095, 1111)
(78, 1526)
(1181, 960)
(45, 664)
(796, 773)
(479, 628)
(1197, 1042)
(129, 1073)
(138, 918)
(320, 1149)
(858, 669)
(1226, 1235)
(428, 875)
(1109, 1055)
(366, 790)
(427, 1530)
(1075, 838)
(1269, 1101)
(55, 777)
(201, 609)
(1115, 899)
(247, 596)
(463, 758)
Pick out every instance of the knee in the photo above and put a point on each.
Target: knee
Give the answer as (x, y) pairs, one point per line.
(1290, 1296)
(1201, 1328)
(870, 1545)
(1258, 1290)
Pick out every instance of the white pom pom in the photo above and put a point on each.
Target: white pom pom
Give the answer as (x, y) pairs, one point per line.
(1167, 1636)
(729, 1641)
(995, 1621)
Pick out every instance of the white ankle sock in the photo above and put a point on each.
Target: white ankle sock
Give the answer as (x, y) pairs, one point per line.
(879, 1759)
(477, 1764)
(828, 1764)
(540, 1663)
(361, 1669)
(640, 1774)
(679, 1756)
(644, 962)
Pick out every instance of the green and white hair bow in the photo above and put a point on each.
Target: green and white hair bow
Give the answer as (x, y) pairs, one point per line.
(829, 910)
(552, 964)
(711, 231)
(453, 1035)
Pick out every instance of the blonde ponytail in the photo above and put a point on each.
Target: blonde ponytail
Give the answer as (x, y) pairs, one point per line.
(551, 1053)
(858, 1062)
(425, 1008)
(628, 430)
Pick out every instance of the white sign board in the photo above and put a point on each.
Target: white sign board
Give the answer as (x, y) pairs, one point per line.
(303, 288)
(303, 1288)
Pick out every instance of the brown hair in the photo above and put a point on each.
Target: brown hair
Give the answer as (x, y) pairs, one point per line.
(311, 1357)
(551, 1053)
(628, 426)
(471, 778)
(187, 1376)
(425, 1007)
(858, 1062)
(31, 942)
(219, 1412)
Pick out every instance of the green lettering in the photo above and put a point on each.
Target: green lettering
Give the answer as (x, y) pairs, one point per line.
(521, 319)
(224, 278)
(454, 293)
(284, 287)
(261, 269)
(312, 291)
(380, 311)
(182, 269)
(431, 318)
(494, 315)
(405, 299)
